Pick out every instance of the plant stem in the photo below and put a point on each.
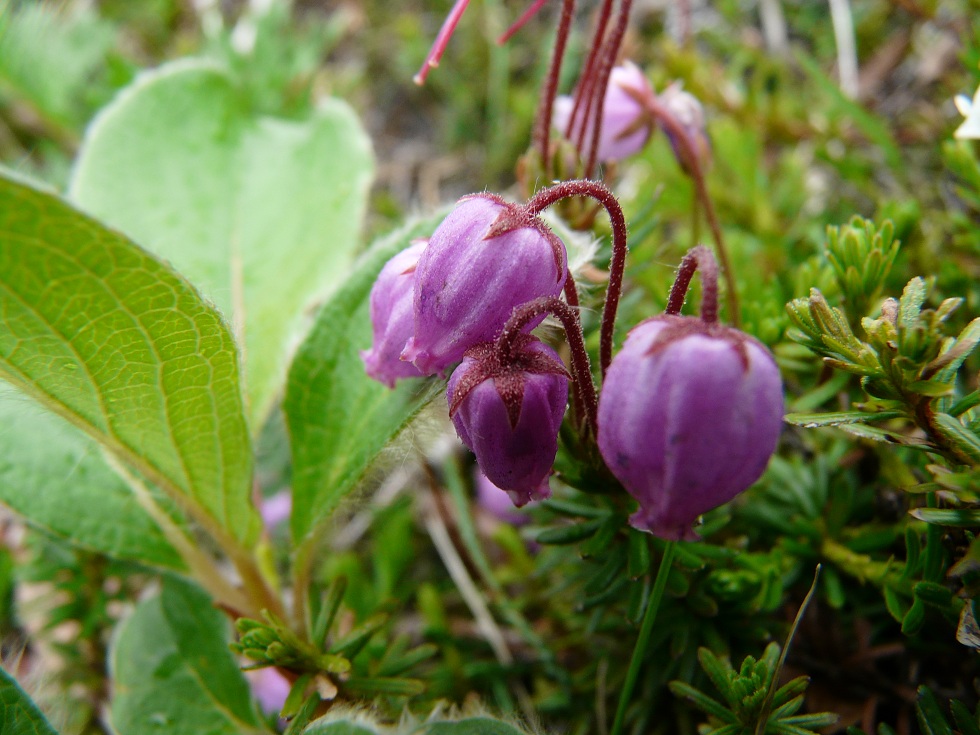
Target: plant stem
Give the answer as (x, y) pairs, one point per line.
(542, 133)
(691, 163)
(581, 369)
(600, 192)
(697, 258)
(607, 61)
(646, 628)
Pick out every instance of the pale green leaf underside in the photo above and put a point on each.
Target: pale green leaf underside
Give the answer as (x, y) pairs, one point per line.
(55, 476)
(173, 673)
(339, 419)
(263, 215)
(104, 334)
(18, 714)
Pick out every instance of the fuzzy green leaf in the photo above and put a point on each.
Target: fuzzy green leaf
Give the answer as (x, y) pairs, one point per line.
(263, 215)
(339, 419)
(55, 476)
(18, 714)
(173, 672)
(104, 334)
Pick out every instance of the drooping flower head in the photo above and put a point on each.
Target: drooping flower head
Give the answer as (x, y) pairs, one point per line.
(689, 414)
(686, 109)
(625, 125)
(507, 408)
(486, 258)
(392, 318)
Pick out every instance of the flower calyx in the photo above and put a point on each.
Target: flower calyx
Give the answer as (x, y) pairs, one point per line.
(508, 369)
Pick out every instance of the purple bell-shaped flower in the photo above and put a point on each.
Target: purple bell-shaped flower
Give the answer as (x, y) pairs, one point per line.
(392, 318)
(689, 414)
(626, 127)
(507, 408)
(486, 258)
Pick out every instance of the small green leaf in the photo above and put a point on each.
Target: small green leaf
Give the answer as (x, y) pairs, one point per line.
(702, 701)
(914, 619)
(838, 418)
(368, 687)
(339, 419)
(104, 334)
(933, 593)
(953, 431)
(931, 718)
(173, 672)
(966, 721)
(263, 215)
(18, 714)
(958, 517)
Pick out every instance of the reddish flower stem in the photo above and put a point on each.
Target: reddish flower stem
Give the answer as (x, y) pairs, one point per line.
(442, 40)
(519, 23)
(697, 258)
(608, 60)
(542, 134)
(691, 163)
(583, 95)
(571, 298)
(581, 369)
(601, 193)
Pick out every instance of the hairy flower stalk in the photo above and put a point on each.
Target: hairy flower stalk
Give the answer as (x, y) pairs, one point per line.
(545, 110)
(601, 193)
(687, 151)
(581, 368)
(607, 59)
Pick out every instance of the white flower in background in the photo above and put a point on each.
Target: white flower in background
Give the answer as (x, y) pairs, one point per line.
(970, 129)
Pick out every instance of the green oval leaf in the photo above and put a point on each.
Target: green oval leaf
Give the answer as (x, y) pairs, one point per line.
(263, 215)
(104, 334)
(339, 419)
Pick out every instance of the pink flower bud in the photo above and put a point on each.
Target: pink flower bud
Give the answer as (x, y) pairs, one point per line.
(689, 113)
(626, 127)
(689, 415)
(392, 318)
(486, 258)
(508, 409)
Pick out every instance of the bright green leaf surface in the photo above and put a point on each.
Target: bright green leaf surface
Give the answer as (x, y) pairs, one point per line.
(263, 215)
(174, 673)
(104, 334)
(339, 419)
(55, 476)
(18, 714)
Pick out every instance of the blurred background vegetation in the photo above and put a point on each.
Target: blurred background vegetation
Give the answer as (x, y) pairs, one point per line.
(799, 144)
